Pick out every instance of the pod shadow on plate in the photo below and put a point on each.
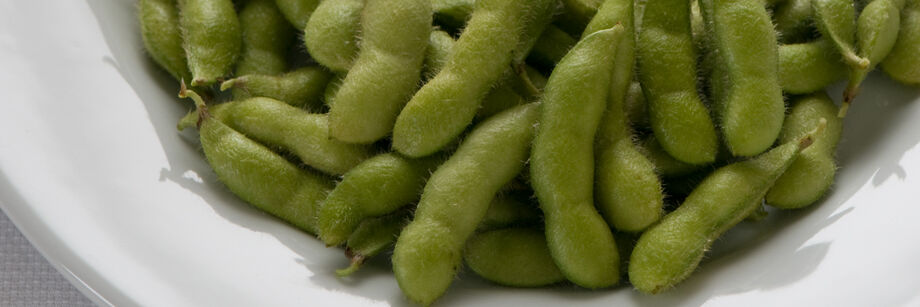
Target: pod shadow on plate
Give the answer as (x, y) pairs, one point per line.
(871, 123)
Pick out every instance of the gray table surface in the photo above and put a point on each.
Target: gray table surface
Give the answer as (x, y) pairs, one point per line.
(26, 278)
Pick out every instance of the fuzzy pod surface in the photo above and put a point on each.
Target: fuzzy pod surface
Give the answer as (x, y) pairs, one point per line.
(669, 251)
(394, 37)
(811, 174)
(748, 100)
(516, 257)
(211, 37)
(280, 125)
(429, 250)
(447, 104)
(562, 161)
(902, 63)
(331, 35)
(162, 37)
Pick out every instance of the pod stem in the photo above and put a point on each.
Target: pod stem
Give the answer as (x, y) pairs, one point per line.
(232, 83)
(855, 61)
(356, 261)
(810, 137)
(200, 105)
(528, 84)
(850, 93)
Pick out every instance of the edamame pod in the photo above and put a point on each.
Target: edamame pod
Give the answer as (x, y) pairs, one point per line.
(543, 43)
(440, 45)
(266, 40)
(552, 45)
(876, 33)
(331, 34)
(429, 250)
(811, 174)
(452, 14)
(747, 96)
(159, 21)
(562, 161)
(516, 257)
(373, 236)
(665, 165)
(902, 63)
(378, 186)
(669, 251)
(211, 37)
(256, 174)
(304, 134)
(809, 67)
(394, 36)
(794, 21)
(500, 98)
(297, 12)
(836, 20)
(301, 88)
(636, 106)
(627, 189)
(446, 105)
(667, 71)
(506, 211)
(332, 88)
(577, 14)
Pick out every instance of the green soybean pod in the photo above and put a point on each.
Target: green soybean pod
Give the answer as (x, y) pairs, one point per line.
(669, 251)
(266, 39)
(301, 88)
(332, 88)
(627, 189)
(836, 20)
(577, 14)
(516, 257)
(747, 94)
(562, 161)
(542, 43)
(447, 104)
(280, 125)
(372, 237)
(809, 67)
(440, 45)
(159, 21)
(811, 174)
(902, 63)
(609, 14)
(636, 106)
(502, 97)
(386, 71)
(508, 211)
(256, 174)
(794, 21)
(530, 81)
(876, 33)
(429, 250)
(667, 71)
(665, 165)
(541, 15)
(211, 37)
(552, 45)
(452, 14)
(331, 34)
(297, 12)
(380, 185)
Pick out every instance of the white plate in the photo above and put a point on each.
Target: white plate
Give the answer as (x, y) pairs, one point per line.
(94, 173)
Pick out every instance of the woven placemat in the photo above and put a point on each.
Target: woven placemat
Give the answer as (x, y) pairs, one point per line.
(26, 278)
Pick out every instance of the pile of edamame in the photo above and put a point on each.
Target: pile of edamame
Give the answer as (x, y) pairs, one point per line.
(531, 142)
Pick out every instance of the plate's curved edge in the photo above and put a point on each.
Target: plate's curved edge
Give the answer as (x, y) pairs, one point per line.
(52, 248)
